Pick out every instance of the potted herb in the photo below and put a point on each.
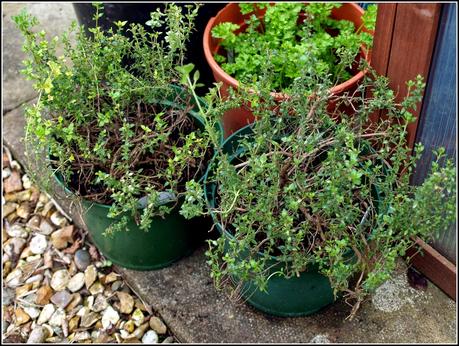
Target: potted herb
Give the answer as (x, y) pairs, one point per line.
(320, 38)
(310, 209)
(127, 141)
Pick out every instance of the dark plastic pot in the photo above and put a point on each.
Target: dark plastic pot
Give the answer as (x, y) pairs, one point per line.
(167, 240)
(296, 296)
(140, 13)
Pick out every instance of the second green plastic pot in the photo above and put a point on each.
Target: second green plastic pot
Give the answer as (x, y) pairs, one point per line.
(284, 297)
(296, 296)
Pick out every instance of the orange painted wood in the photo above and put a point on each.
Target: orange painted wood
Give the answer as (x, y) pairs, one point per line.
(435, 267)
(382, 42)
(414, 33)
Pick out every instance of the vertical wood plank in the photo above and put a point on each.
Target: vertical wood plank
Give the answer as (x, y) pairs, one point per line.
(415, 30)
(382, 40)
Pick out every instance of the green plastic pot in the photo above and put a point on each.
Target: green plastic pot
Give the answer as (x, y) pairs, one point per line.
(292, 297)
(167, 240)
(296, 296)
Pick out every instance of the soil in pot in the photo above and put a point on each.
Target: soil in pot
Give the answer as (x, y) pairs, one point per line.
(152, 163)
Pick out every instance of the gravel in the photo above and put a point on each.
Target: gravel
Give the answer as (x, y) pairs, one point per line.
(54, 291)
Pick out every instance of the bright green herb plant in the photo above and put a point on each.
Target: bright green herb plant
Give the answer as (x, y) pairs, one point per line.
(295, 37)
(114, 126)
(314, 186)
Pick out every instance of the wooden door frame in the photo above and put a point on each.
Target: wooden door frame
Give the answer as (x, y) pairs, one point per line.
(404, 44)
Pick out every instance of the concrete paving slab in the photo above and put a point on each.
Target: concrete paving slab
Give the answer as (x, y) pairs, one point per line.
(53, 17)
(196, 312)
(184, 294)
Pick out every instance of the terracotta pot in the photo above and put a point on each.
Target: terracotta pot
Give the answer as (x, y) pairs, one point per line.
(235, 119)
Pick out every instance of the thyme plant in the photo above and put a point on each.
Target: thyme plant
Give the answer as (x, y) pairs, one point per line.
(118, 134)
(315, 187)
(296, 37)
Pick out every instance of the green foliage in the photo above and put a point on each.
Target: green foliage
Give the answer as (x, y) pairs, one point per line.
(320, 45)
(314, 185)
(369, 17)
(108, 114)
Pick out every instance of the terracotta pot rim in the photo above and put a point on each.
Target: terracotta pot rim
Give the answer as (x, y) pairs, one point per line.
(227, 79)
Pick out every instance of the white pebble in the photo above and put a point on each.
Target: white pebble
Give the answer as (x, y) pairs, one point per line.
(26, 183)
(46, 313)
(6, 172)
(60, 280)
(34, 278)
(38, 244)
(14, 278)
(38, 335)
(15, 165)
(320, 339)
(150, 337)
(79, 336)
(17, 231)
(76, 282)
(57, 318)
(57, 219)
(32, 312)
(110, 316)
